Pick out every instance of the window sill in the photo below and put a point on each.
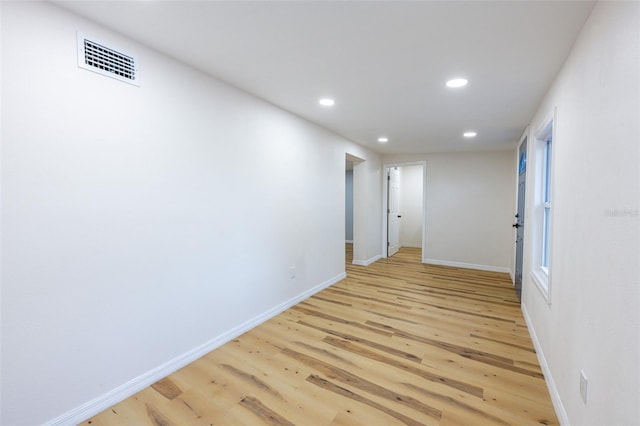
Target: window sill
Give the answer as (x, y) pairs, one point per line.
(541, 279)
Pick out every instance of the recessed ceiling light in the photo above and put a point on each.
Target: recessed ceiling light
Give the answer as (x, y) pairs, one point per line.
(326, 102)
(469, 134)
(457, 82)
(383, 140)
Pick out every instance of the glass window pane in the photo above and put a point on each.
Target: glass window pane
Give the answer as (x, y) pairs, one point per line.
(545, 237)
(547, 171)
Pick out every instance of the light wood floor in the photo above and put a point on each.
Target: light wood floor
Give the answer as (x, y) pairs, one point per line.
(397, 342)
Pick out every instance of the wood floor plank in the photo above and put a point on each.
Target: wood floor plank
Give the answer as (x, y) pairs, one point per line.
(396, 342)
(423, 373)
(197, 408)
(167, 388)
(326, 384)
(363, 384)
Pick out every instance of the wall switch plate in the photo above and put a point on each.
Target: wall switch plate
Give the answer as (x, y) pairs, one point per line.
(292, 272)
(583, 386)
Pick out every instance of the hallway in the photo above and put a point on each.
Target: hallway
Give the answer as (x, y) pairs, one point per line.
(397, 342)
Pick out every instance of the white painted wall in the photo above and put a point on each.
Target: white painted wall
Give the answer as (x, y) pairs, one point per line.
(469, 208)
(593, 320)
(121, 256)
(411, 206)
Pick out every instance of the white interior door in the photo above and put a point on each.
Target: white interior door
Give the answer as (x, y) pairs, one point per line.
(393, 211)
(519, 225)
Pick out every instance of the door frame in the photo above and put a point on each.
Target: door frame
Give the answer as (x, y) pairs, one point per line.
(385, 199)
(523, 138)
(359, 209)
(396, 246)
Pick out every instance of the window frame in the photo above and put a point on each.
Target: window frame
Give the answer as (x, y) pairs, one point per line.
(545, 143)
(547, 161)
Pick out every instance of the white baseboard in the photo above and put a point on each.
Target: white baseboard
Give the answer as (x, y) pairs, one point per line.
(513, 277)
(101, 403)
(561, 413)
(348, 241)
(489, 268)
(368, 261)
(412, 245)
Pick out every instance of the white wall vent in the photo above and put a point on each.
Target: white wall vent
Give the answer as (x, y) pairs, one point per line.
(96, 56)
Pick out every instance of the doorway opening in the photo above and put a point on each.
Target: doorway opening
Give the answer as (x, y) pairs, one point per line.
(393, 211)
(404, 207)
(348, 214)
(354, 235)
(520, 213)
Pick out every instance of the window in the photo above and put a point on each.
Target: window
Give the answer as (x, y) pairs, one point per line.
(543, 217)
(546, 202)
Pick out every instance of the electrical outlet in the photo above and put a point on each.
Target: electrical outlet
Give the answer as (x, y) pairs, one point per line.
(583, 386)
(292, 272)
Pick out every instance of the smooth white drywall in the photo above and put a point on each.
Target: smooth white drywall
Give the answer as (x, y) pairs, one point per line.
(411, 194)
(593, 320)
(469, 207)
(141, 222)
(1, 315)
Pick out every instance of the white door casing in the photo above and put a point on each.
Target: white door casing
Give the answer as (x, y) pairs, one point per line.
(393, 211)
(520, 214)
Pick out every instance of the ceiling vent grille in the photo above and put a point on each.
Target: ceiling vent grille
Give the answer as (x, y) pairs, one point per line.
(97, 57)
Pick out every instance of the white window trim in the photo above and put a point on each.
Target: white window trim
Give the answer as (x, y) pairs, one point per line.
(546, 204)
(542, 276)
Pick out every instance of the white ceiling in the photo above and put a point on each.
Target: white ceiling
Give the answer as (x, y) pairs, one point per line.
(384, 62)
